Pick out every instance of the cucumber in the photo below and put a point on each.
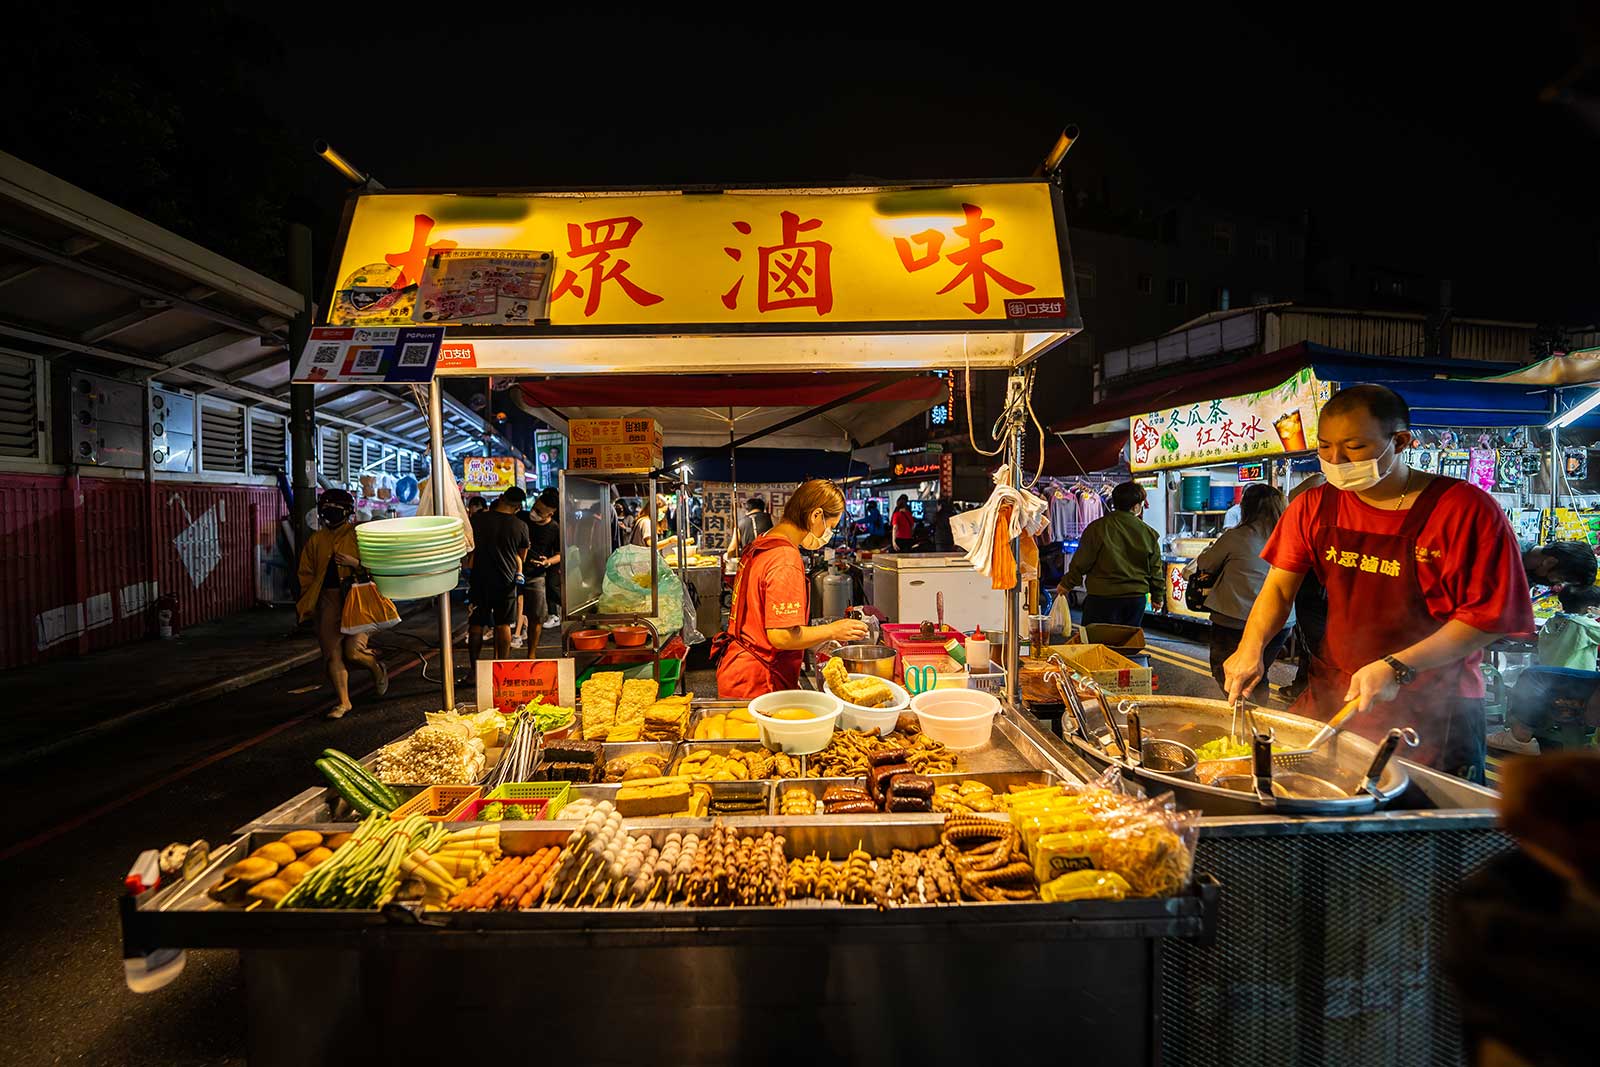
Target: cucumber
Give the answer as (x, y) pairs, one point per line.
(358, 800)
(369, 782)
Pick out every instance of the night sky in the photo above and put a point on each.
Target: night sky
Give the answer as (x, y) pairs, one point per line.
(1417, 143)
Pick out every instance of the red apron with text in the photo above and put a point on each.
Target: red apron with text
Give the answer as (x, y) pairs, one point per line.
(1375, 609)
(745, 670)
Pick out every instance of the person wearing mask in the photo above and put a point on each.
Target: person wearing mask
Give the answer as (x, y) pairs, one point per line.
(902, 525)
(327, 564)
(752, 526)
(764, 647)
(1119, 562)
(544, 555)
(550, 497)
(494, 573)
(1235, 561)
(1421, 571)
(645, 532)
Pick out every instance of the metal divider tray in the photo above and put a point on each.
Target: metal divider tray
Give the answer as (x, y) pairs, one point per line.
(182, 916)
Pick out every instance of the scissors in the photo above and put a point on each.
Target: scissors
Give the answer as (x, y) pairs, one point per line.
(921, 679)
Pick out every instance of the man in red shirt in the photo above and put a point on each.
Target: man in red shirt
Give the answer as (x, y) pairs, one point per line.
(767, 636)
(1422, 572)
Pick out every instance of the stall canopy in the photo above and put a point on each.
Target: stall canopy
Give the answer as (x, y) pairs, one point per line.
(706, 410)
(1436, 389)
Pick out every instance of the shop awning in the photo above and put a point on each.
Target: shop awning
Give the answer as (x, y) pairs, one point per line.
(1436, 389)
(705, 410)
(1581, 367)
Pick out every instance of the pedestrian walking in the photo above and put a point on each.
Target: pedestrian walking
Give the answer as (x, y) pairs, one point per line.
(551, 499)
(328, 565)
(494, 573)
(1237, 571)
(1119, 562)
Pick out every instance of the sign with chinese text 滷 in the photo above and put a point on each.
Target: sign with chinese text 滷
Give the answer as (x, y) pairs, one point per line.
(963, 253)
(489, 474)
(1269, 423)
(381, 355)
(722, 508)
(511, 683)
(1252, 472)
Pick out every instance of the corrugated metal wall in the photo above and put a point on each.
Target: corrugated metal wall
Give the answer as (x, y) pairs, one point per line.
(64, 593)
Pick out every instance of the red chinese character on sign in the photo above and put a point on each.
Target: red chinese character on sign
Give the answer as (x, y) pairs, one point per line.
(605, 237)
(1229, 434)
(411, 260)
(794, 274)
(1203, 436)
(969, 258)
(1253, 428)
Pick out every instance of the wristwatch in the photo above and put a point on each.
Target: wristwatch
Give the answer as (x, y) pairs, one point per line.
(1403, 675)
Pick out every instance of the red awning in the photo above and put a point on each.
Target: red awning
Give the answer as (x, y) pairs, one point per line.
(699, 410)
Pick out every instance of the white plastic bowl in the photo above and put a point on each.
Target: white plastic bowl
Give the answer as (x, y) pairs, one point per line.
(959, 718)
(450, 551)
(416, 586)
(415, 526)
(798, 737)
(419, 545)
(857, 717)
(432, 566)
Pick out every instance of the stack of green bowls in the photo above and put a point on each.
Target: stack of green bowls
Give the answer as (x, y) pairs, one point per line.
(413, 558)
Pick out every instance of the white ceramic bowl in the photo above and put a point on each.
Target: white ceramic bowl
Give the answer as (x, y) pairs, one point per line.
(798, 737)
(416, 586)
(959, 718)
(867, 720)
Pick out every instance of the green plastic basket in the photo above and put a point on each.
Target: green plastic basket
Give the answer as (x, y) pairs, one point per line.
(554, 794)
(670, 669)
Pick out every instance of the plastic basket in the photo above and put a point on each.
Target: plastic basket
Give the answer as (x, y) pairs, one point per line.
(670, 669)
(990, 681)
(473, 812)
(554, 794)
(439, 803)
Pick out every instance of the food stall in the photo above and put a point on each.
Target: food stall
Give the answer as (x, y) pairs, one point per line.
(863, 894)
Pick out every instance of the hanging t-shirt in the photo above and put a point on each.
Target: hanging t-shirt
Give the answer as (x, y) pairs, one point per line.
(1090, 507)
(1468, 564)
(1063, 515)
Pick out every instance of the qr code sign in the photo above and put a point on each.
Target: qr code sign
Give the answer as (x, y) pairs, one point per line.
(326, 355)
(415, 355)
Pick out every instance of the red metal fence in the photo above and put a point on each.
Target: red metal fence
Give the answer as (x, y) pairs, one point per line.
(75, 561)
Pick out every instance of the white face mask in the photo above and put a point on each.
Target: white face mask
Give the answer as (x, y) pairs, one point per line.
(811, 542)
(1356, 476)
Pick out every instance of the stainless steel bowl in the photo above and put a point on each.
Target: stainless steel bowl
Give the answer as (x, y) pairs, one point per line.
(877, 660)
(1167, 757)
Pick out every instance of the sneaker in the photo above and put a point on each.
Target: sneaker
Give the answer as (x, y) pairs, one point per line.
(1504, 742)
(519, 641)
(552, 623)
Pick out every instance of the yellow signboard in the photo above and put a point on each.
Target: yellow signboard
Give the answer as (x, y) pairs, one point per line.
(793, 258)
(490, 474)
(1269, 423)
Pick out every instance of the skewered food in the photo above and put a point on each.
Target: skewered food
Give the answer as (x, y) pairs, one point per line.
(849, 754)
(730, 870)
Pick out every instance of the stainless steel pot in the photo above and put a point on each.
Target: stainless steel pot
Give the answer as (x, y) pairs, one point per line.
(1192, 721)
(876, 660)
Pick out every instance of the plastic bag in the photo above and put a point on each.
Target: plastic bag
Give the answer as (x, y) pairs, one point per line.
(966, 528)
(453, 504)
(625, 590)
(367, 611)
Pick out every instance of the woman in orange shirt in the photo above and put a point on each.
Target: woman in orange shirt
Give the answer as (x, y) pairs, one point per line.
(765, 644)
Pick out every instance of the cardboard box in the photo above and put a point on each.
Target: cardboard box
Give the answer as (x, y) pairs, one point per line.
(615, 432)
(1111, 671)
(614, 459)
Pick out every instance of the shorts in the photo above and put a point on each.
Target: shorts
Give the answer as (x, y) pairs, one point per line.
(534, 602)
(493, 607)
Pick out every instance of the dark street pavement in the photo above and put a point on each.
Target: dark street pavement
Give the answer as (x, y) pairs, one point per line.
(79, 816)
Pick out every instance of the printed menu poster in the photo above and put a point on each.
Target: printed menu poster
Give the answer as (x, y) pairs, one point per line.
(485, 287)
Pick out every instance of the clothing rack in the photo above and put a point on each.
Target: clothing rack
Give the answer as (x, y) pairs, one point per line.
(1068, 515)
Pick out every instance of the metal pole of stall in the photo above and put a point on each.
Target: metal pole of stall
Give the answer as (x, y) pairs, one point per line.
(1557, 465)
(1013, 653)
(439, 474)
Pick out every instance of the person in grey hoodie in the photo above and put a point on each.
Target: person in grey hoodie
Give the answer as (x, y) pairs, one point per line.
(1235, 558)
